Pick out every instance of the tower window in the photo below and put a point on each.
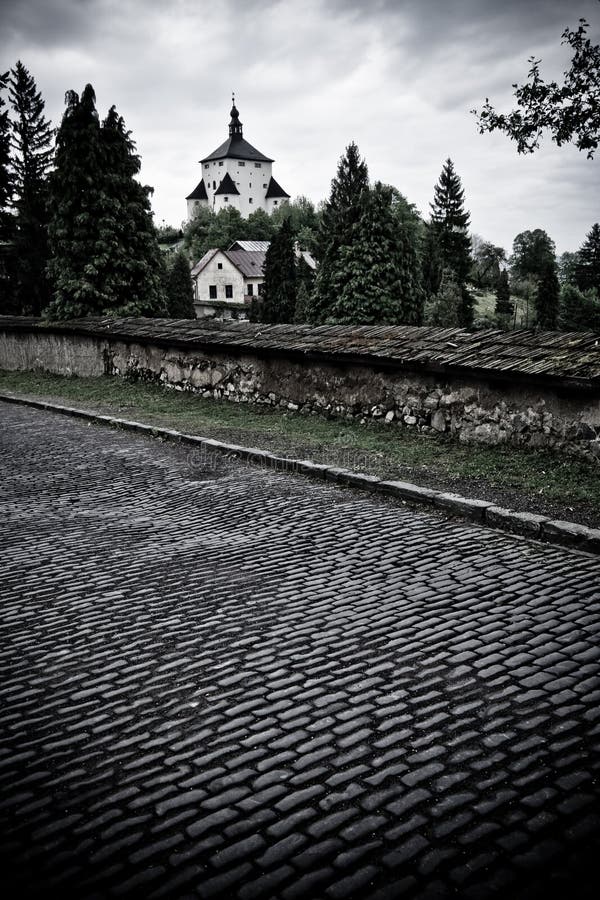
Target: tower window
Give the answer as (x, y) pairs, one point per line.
(275, 202)
(206, 165)
(241, 163)
(229, 291)
(258, 165)
(264, 185)
(225, 199)
(220, 163)
(212, 292)
(249, 199)
(214, 185)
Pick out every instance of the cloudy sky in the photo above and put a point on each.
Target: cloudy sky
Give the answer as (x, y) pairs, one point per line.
(397, 76)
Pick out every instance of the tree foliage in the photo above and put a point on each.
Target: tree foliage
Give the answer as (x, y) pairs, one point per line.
(31, 160)
(533, 253)
(278, 301)
(579, 310)
(208, 229)
(504, 308)
(179, 289)
(105, 258)
(587, 269)
(7, 293)
(450, 237)
(486, 258)
(570, 111)
(339, 216)
(547, 300)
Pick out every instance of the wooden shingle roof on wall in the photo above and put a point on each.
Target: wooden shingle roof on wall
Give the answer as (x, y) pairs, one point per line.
(569, 358)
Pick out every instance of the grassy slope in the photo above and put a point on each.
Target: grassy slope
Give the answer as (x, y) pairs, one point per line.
(382, 449)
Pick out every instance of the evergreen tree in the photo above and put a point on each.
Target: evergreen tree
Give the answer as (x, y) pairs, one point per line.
(340, 215)
(105, 258)
(278, 301)
(450, 222)
(579, 311)
(302, 311)
(504, 308)
(7, 279)
(444, 308)
(179, 289)
(32, 140)
(587, 272)
(547, 300)
(431, 262)
(376, 280)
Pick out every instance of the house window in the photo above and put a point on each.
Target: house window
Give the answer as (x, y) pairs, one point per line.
(219, 265)
(229, 291)
(212, 292)
(258, 165)
(260, 289)
(240, 163)
(249, 289)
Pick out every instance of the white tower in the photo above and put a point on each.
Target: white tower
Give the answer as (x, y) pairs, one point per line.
(236, 174)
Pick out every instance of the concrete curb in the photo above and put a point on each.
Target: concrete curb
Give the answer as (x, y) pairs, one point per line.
(554, 531)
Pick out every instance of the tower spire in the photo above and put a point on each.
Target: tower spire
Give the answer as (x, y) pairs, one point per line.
(235, 126)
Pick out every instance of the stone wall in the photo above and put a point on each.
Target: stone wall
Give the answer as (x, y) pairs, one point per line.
(469, 407)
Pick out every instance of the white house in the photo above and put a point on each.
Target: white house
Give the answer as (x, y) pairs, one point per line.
(236, 174)
(225, 281)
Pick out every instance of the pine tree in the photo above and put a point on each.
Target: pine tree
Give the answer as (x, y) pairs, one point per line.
(547, 300)
(32, 145)
(278, 302)
(587, 272)
(450, 222)
(179, 289)
(504, 308)
(339, 217)
(105, 258)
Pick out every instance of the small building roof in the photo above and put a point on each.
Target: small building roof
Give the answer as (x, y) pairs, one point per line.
(227, 185)
(249, 262)
(248, 246)
(199, 192)
(275, 190)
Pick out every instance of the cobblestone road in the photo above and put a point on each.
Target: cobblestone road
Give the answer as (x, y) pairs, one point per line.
(219, 681)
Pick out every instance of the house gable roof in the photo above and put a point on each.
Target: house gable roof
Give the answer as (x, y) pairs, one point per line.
(199, 192)
(275, 190)
(248, 263)
(227, 185)
(247, 246)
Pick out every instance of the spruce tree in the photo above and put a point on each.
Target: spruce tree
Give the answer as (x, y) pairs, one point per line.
(376, 280)
(340, 215)
(278, 302)
(579, 311)
(179, 289)
(587, 272)
(105, 258)
(7, 279)
(450, 222)
(504, 308)
(32, 145)
(547, 300)
(444, 308)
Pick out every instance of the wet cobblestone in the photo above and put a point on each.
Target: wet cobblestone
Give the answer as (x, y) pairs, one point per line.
(230, 682)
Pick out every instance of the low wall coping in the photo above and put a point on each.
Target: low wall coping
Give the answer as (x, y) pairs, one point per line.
(569, 360)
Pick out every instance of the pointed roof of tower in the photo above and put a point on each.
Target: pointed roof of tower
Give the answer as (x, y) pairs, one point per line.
(275, 190)
(199, 192)
(227, 185)
(235, 147)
